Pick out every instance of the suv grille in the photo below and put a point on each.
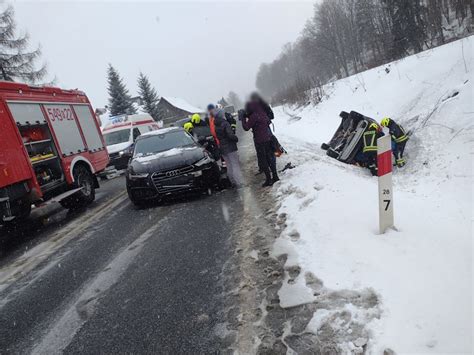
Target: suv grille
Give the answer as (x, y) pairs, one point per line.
(158, 178)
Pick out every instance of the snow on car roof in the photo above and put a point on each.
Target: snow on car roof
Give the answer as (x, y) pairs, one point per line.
(161, 131)
(182, 104)
(145, 158)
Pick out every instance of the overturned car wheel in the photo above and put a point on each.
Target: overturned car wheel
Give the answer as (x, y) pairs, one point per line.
(332, 153)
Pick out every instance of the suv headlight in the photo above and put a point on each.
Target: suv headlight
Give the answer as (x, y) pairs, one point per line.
(206, 160)
(128, 150)
(133, 176)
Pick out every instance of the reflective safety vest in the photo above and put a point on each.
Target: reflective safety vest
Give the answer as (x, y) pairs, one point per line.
(400, 139)
(370, 141)
(397, 132)
(212, 127)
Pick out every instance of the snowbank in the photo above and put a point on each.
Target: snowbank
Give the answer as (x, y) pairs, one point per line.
(422, 273)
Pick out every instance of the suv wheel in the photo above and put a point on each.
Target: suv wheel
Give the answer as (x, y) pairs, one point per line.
(133, 199)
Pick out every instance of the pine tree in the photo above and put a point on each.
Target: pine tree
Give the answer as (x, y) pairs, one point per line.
(148, 96)
(223, 102)
(16, 61)
(234, 100)
(120, 101)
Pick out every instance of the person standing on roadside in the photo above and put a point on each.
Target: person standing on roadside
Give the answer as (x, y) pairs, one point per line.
(210, 120)
(257, 120)
(228, 147)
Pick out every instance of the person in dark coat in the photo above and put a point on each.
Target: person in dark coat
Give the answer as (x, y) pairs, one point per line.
(228, 147)
(257, 120)
(255, 96)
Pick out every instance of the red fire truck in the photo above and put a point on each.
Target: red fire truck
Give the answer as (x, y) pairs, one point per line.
(51, 149)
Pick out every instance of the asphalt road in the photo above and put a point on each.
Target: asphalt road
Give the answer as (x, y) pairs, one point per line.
(193, 276)
(117, 279)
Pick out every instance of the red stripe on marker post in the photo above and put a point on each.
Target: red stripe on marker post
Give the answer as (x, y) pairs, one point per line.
(384, 165)
(384, 162)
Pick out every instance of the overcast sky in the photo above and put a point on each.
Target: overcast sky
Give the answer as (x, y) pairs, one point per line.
(194, 50)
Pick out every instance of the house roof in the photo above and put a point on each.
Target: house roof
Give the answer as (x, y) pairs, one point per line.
(182, 104)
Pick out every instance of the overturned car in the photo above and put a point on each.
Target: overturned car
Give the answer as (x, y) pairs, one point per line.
(347, 142)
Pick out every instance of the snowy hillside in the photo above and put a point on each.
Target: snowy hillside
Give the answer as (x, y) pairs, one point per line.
(422, 273)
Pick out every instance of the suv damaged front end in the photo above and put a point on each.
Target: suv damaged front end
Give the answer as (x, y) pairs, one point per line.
(201, 175)
(152, 180)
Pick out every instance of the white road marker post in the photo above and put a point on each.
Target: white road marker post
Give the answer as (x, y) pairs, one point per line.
(384, 164)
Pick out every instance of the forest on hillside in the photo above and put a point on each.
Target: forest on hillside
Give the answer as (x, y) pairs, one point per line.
(345, 37)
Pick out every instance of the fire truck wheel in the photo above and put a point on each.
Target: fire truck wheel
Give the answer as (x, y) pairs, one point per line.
(24, 209)
(82, 178)
(21, 209)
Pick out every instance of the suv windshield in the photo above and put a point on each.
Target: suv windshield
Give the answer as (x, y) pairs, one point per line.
(117, 137)
(156, 143)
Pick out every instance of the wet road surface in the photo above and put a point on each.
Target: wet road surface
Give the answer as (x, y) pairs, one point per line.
(192, 276)
(118, 279)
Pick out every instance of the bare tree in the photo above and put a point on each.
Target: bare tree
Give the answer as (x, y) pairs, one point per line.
(345, 37)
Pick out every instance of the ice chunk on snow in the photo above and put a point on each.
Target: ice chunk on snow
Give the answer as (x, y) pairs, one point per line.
(295, 294)
(319, 317)
(254, 254)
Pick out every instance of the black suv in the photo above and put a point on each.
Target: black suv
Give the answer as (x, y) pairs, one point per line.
(169, 161)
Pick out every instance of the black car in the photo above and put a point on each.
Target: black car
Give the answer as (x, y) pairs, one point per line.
(166, 162)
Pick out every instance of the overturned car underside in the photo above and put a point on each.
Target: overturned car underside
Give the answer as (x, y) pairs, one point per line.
(346, 142)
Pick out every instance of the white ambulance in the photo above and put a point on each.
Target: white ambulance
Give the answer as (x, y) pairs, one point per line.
(120, 134)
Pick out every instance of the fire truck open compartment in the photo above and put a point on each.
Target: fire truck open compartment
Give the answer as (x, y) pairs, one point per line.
(51, 148)
(43, 155)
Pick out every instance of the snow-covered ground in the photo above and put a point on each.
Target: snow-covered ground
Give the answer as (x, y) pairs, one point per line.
(423, 272)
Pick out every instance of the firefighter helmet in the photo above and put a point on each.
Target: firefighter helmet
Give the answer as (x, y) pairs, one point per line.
(385, 122)
(196, 118)
(188, 127)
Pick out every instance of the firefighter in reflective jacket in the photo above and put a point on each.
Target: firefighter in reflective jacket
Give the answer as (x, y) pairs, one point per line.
(399, 139)
(188, 127)
(369, 150)
(233, 123)
(197, 121)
